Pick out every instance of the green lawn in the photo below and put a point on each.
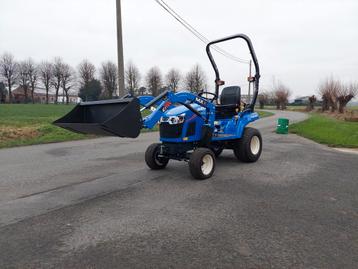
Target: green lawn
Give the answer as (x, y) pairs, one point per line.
(264, 114)
(329, 131)
(31, 124)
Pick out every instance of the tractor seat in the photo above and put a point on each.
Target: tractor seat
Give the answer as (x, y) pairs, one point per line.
(229, 103)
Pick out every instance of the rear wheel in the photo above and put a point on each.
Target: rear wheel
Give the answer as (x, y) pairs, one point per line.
(249, 147)
(152, 157)
(202, 163)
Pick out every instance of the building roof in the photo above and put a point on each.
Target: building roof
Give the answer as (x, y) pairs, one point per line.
(38, 91)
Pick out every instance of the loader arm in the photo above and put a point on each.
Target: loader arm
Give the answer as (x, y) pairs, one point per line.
(168, 100)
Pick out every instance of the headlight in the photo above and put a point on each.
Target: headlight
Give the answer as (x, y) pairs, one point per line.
(173, 119)
(164, 119)
(181, 118)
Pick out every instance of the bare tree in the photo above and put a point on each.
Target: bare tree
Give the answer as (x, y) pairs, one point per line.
(282, 93)
(2, 92)
(263, 99)
(109, 78)
(195, 80)
(67, 80)
(311, 101)
(329, 91)
(132, 78)
(27, 76)
(142, 90)
(345, 94)
(154, 80)
(46, 76)
(173, 79)
(23, 78)
(86, 72)
(33, 76)
(57, 76)
(8, 71)
(325, 98)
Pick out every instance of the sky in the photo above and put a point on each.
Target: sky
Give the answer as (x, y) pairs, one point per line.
(297, 42)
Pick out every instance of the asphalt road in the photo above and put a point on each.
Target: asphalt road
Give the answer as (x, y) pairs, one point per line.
(94, 204)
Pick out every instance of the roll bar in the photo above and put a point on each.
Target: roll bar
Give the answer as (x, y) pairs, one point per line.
(219, 82)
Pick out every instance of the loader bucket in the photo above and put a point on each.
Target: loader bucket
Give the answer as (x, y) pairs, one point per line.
(119, 117)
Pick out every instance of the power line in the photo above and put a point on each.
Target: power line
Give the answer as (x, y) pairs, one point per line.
(196, 33)
(199, 35)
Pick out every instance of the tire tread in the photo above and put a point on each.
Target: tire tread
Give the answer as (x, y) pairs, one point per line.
(150, 157)
(195, 163)
(242, 149)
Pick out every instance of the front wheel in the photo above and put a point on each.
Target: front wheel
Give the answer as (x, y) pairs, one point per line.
(202, 163)
(152, 157)
(249, 147)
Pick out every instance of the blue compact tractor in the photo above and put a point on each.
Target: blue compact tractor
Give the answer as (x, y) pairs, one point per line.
(194, 128)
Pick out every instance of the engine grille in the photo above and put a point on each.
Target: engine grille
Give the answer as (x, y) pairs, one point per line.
(170, 130)
(191, 129)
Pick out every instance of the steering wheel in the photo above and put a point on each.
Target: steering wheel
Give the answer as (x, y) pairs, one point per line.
(210, 93)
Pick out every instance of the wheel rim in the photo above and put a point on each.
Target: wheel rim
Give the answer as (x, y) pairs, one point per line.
(207, 165)
(255, 145)
(157, 159)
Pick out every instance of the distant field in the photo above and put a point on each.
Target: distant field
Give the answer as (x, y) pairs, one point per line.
(354, 108)
(302, 108)
(31, 124)
(289, 108)
(329, 131)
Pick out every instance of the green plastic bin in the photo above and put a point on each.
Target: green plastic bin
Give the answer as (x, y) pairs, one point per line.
(282, 126)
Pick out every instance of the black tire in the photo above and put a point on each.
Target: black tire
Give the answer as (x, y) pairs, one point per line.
(217, 150)
(248, 149)
(202, 163)
(151, 157)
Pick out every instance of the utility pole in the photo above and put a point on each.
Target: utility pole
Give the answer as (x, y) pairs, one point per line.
(120, 50)
(250, 73)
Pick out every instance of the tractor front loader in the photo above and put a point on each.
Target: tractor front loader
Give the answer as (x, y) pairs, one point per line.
(194, 128)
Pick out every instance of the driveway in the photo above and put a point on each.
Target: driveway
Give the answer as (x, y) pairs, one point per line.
(94, 204)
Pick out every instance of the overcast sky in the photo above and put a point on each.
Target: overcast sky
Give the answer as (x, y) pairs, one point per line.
(298, 42)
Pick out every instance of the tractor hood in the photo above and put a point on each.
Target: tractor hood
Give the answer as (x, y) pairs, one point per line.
(178, 110)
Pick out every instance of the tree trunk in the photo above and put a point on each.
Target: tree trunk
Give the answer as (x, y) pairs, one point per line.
(32, 93)
(67, 98)
(10, 94)
(343, 101)
(47, 89)
(56, 95)
(26, 94)
(325, 105)
(341, 107)
(333, 106)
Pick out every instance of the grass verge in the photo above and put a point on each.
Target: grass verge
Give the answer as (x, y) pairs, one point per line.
(264, 114)
(30, 124)
(328, 131)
